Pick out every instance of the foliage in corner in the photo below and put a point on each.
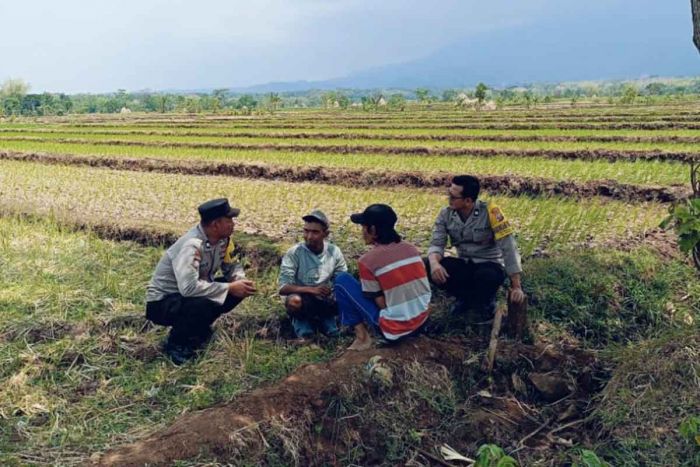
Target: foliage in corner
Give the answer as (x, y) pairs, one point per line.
(685, 218)
(689, 429)
(588, 458)
(491, 455)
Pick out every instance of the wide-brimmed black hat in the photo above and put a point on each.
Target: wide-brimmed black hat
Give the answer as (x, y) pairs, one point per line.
(215, 208)
(376, 214)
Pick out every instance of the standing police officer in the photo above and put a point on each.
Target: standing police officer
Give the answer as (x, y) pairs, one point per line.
(183, 292)
(486, 250)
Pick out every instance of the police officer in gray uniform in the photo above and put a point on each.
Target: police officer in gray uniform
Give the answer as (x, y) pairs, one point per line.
(184, 292)
(486, 250)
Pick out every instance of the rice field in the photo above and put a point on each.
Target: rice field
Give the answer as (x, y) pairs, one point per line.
(636, 172)
(81, 372)
(392, 143)
(273, 208)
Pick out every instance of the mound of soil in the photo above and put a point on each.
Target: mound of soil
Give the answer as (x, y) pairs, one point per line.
(534, 403)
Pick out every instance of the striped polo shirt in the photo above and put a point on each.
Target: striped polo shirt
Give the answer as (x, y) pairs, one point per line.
(397, 271)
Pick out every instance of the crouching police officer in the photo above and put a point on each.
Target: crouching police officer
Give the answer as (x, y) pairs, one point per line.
(486, 249)
(183, 292)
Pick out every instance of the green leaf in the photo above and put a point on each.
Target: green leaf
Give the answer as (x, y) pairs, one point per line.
(591, 459)
(687, 244)
(507, 461)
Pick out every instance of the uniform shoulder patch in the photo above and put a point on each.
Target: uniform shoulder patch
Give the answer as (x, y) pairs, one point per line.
(499, 224)
(230, 254)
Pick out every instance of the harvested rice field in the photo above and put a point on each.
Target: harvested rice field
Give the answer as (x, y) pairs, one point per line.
(89, 203)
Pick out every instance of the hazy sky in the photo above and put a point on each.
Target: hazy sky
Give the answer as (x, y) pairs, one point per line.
(96, 46)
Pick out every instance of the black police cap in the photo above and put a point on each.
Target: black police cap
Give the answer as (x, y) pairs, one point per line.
(215, 208)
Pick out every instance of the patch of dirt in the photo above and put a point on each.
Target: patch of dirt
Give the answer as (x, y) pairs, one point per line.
(136, 322)
(495, 184)
(297, 414)
(84, 389)
(43, 332)
(274, 328)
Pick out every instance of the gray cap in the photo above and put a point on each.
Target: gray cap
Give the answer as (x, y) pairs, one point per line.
(317, 216)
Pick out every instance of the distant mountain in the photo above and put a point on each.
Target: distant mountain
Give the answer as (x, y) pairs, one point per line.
(568, 51)
(284, 86)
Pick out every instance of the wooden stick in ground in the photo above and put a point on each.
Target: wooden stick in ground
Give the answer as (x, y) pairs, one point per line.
(493, 342)
(516, 325)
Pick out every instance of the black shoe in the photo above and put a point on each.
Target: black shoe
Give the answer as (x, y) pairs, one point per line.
(179, 354)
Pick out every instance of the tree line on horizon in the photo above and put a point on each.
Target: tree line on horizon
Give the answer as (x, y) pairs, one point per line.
(16, 100)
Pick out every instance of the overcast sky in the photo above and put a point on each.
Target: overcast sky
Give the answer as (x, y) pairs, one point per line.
(96, 46)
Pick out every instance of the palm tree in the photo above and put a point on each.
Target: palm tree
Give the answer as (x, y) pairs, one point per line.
(273, 101)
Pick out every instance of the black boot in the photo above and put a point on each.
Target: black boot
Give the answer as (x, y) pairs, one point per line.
(178, 353)
(182, 347)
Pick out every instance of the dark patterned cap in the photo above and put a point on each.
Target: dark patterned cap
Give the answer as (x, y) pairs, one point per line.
(215, 208)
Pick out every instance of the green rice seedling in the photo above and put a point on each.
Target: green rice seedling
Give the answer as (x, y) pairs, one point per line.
(273, 208)
(635, 172)
(218, 129)
(408, 144)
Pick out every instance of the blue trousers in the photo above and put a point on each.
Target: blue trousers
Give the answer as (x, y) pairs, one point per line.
(305, 327)
(353, 306)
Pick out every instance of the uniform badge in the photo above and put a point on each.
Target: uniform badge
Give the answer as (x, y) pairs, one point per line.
(497, 214)
(499, 224)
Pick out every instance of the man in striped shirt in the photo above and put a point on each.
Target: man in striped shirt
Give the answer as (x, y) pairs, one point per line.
(393, 294)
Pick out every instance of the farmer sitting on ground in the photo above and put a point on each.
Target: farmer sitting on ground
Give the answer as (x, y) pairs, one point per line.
(306, 275)
(183, 292)
(486, 250)
(393, 294)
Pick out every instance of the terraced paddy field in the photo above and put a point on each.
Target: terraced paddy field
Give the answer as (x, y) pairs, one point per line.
(87, 204)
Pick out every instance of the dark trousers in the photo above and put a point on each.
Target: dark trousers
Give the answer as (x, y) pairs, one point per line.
(315, 313)
(474, 283)
(313, 307)
(190, 317)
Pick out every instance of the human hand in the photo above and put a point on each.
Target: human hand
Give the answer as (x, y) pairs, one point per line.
(320, 291)
(242, 288)
(438, 273)
(517, 296)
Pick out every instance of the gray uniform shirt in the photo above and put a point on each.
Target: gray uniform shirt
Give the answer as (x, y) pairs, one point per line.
(301, 266)
(189, 265)
(475, 238)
